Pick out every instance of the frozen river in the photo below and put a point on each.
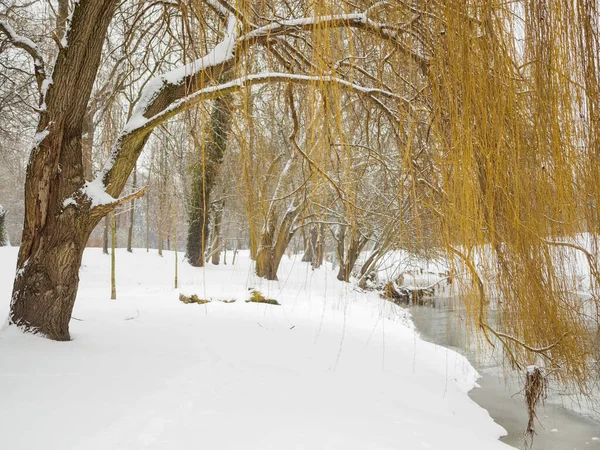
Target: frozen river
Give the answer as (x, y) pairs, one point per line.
(560, 428)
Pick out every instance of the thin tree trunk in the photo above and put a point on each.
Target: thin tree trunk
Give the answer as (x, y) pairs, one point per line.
(308, 246)
(3, 237)
(113, 245)
(147, 223)
(320, 250)
(176, 260)
(235, 252)
(217, 238)
(132, 215)
(62, 16)
(105, 235)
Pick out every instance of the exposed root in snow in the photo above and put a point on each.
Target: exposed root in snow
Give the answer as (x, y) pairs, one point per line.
(536, 391)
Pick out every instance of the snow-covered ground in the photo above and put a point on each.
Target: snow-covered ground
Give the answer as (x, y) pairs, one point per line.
(332, 368)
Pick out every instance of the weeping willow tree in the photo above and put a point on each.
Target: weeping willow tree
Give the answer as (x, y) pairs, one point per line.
(489, 113)
(478, 122)
(514, 101)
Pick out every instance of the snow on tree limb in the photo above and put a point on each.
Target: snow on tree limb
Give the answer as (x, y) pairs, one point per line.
(29, 46)
(353, 20)
(168, 94)
(223, 52)
(238, 84)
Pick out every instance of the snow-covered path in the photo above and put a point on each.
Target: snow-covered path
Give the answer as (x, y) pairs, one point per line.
(330, 369)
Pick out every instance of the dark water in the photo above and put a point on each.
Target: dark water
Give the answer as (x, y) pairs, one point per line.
(559, 428)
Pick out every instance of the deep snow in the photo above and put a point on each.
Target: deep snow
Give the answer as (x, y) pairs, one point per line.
(332, 368)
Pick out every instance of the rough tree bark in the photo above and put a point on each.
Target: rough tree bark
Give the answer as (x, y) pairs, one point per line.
(272, 249)
(313, 252)
(87, 143)
(3, 237)
(347, 257)
(55, 232)
(309, 242)
(204, 174)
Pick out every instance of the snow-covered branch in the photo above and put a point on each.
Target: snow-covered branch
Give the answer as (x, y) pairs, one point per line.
(29, 46)
(211, 92)
(226, 50)
(353, 20)
(222, 53)
(168, 94)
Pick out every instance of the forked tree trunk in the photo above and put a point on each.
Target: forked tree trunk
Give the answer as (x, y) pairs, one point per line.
(309, 245)
(264, 257)
(57, 225)
(348, 257)
(314, 247)
(369, 264)
(60, 209)
(271, 251)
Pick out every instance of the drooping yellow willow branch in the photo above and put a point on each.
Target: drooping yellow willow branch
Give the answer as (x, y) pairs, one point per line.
(478, 134)
(517, 164)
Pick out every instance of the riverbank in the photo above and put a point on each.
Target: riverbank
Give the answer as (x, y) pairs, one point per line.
(331, 368)
(559, 428)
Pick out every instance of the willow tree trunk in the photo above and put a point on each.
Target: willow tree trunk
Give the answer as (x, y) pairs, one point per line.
(272, 250)
(313, 252)
(57, 226)
(348, 257)
(264, 257)
(204, 174)
(309, 245)
(60, 208)
(320, 250)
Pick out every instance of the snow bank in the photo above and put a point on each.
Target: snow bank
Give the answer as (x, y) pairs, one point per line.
(331, 368)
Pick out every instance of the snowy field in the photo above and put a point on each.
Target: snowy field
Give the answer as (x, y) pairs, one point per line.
(332, 368)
